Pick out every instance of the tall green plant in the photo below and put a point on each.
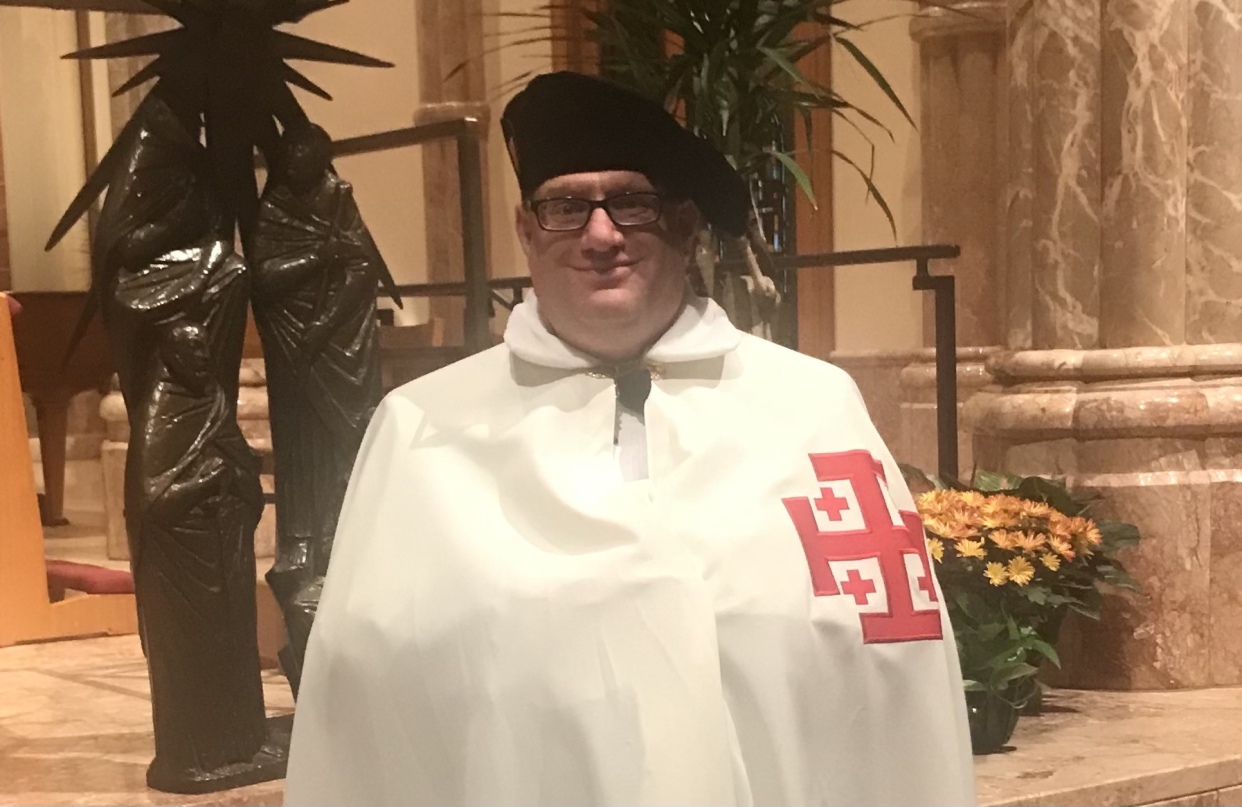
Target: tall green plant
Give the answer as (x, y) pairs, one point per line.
(731, 69)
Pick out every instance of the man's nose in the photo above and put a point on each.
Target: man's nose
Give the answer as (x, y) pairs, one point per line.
(600, 232)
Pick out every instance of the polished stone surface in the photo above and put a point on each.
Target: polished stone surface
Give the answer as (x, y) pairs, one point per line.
(1156, 431)
(75, 730)
(1113, 748)
(1214, 181)
(1052, 221)
(75, 727)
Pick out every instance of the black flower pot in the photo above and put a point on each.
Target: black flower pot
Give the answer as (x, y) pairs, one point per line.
(992, 717)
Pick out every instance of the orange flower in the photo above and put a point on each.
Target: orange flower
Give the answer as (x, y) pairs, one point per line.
(1060, 525)
(1032, 509)
(1030, 542)
(1003, 538)
(1061, 546)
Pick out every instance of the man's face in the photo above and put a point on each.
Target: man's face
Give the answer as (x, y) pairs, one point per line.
(605, 289)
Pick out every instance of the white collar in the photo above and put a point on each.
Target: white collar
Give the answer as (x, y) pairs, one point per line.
(701, 331)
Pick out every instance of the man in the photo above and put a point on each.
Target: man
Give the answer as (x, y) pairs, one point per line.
(631, 556)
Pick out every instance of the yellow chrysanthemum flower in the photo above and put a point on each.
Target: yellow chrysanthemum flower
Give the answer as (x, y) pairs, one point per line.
(935, 548)
(996, 574)
(972, 498)
(1029, 542)
(970, 549)
(939, 527)
(1031, 509)
(1021, 571)
(998, 520)
(1050, 560)
(931, 503)
(961, 525)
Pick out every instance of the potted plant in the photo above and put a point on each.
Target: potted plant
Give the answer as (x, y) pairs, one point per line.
(1014, 556)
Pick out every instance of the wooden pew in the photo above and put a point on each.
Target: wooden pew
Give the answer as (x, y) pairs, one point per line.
(27, 613)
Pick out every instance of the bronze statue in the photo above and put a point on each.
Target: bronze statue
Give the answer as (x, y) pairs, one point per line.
(173, 297)
(181, 187)
(317, 272)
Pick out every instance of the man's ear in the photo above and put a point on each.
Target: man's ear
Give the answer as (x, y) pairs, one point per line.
(685, 222)
(522, 225)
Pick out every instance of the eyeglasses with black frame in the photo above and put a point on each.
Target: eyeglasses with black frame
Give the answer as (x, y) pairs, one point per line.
(566, 214)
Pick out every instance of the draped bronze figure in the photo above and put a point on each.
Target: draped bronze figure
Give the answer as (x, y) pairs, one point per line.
(181, 187)
(317, 272)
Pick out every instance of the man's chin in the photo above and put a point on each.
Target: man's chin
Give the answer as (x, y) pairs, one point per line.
(612, 303)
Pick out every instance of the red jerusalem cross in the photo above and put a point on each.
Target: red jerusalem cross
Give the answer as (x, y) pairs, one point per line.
(831, 504)
(857, 587)
(878, 538)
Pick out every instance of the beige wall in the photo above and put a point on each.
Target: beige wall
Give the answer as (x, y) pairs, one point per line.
(388, 185)
(503, 66)
(875, 306)
(41, 127)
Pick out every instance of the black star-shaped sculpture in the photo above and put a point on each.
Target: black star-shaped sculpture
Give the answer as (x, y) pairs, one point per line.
(224, 70)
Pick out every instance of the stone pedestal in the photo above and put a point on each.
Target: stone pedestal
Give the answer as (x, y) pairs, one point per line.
(899, 388)
(918, 444)
(251, 418)
(878, 376)
(1158, 432)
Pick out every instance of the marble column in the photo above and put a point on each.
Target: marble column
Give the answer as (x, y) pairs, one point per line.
(1124, 373)
(1143, 163)
(962, 48)
(1214, 176)
(1053, 204)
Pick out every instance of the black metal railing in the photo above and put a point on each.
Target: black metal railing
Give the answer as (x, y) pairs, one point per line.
(944, 293)
(467, 131)
(942, 288)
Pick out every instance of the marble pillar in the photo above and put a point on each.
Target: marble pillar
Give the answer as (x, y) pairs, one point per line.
(961, 48)
(1214, 173)
(919, 439)
(1143, 165)
(962, 52)
(1157, 431)
(1124, 370)
(1053, 201)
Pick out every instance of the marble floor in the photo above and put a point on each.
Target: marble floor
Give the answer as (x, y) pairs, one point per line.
(75, 730)
(75, 727)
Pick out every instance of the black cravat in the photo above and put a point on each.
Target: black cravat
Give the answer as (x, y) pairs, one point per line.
(633, 387)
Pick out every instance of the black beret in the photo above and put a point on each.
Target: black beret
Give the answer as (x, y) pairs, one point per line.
(569, 123)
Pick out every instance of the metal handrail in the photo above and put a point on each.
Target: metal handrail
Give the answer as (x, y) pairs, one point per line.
(467, 131)
(942, 287)
(943, 290)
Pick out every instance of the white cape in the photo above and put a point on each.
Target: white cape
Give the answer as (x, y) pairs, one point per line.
(506, 621)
